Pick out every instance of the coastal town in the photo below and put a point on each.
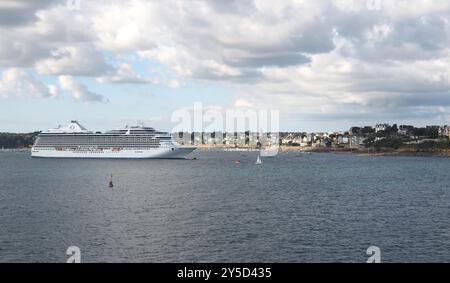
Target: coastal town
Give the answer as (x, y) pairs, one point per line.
(380, 137)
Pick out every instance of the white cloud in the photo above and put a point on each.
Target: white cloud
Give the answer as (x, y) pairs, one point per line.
(79, 91)
(221, 70)
(124, 74)
(19, 83)
(303, 57)
(20, 12)
(80, 60)
(53, 90)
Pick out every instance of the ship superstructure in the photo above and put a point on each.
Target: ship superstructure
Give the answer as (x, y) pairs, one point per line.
(75, 141)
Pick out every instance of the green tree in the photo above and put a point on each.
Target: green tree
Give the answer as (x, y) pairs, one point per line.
(369, 141)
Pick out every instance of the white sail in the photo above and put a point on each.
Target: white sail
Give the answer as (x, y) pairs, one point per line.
(258, 160)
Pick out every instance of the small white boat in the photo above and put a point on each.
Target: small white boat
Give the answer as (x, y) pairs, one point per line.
(258, 160)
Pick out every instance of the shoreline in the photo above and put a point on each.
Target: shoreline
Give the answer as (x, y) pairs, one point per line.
(362, 152)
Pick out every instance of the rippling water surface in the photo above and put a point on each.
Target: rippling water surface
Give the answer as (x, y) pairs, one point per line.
(293, 208)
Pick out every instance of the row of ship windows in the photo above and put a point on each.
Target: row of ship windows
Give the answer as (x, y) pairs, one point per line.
(95, 149)
(102, 139)
(106, 148)
(109, 152)
(96, 141)
(92, 146)
(99, 145)
(115, 140)
(91, 140)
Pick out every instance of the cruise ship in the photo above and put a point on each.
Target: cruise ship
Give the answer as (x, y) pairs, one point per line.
(75, 141)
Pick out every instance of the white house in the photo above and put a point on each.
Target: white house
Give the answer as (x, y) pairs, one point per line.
(444, 131)
(381, 127)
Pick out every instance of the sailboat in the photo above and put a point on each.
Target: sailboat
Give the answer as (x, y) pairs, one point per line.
(258, 160)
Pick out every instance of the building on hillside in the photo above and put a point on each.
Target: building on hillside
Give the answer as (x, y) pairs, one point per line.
(354, 131)
(444, 131)
(356, 142)
(405, 130)
(342, 140)
(381, 127)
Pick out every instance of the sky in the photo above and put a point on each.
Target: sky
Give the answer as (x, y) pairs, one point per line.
(323, 65)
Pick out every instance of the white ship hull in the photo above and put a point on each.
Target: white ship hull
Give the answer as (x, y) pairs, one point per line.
(75, 141)
(162, 153)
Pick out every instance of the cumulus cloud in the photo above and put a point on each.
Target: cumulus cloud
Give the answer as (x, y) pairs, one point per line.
(79, 91)
(20, 12)
(73, 60)
(312, 59)
(124, 74)
(19, 83)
